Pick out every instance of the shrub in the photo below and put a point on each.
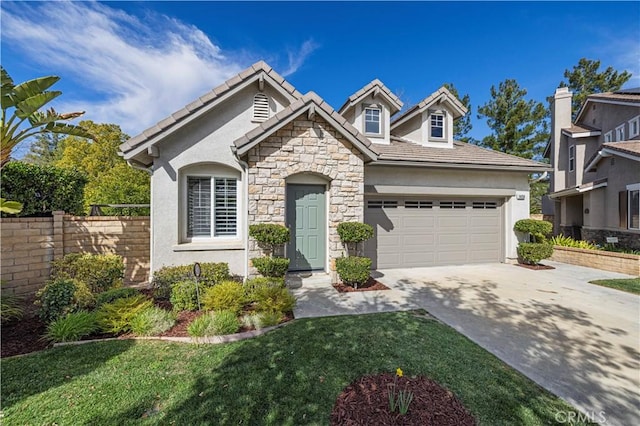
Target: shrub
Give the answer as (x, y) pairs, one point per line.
(115, 317)
(252, 284)
(269, 235)
(210, 274)
(62, 296)
(228, 295)
(224, 322)
(533, 253)
(184, 296)
(353, 233)
(114, 294)
(354, 271)
(99, 271)
(72, 327)
(538, 229)
(259, 320)
(43, 189)
(271, 266)
(273, 298)
(10, 307)
(201, 326)
(561, 240)
(152, 321)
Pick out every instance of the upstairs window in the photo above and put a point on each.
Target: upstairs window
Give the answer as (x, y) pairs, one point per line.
(437, 126)
(212, 204)
(633, 206)
(372, 120)
(608, 137)
(634, 127)
(260, 107)
(572, 158)
(620, 133)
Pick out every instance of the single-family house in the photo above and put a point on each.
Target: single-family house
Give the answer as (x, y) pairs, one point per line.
(595, 184)
(256, 150)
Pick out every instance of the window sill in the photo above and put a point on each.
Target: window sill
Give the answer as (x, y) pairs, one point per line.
(209, 246)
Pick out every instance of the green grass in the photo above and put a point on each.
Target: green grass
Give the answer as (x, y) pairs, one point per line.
(630, 285)
(290, 376)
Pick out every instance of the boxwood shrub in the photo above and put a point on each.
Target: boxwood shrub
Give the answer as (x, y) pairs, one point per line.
(62, 296)
(353, 270)
(538, 229)
(165, 277)
(533, 253)
(184, 296)
(269, 235)
(275, 267)
(99, 272)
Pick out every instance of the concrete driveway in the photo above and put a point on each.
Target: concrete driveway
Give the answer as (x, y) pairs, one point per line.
(578, 340)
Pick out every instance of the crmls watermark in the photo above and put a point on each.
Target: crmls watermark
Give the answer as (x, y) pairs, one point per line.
(598, 417)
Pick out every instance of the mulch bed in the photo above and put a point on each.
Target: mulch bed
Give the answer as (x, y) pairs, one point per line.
(538, 267)
(366, 402)
(24, 335)
(370, 285)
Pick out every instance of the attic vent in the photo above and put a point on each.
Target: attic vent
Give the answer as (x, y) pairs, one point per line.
(260, 107)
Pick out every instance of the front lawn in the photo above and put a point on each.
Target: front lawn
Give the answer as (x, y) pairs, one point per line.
(290, 376)
(630, 285)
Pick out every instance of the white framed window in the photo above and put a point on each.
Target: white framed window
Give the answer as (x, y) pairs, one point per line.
(211, 207)
(372, 120)
(572, 158)
(634, 127)
(633, 206)
(261, 110)
(608, 137)
(436, 125)
(620, 133)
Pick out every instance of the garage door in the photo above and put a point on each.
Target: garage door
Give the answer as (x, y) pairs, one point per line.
(411, 232)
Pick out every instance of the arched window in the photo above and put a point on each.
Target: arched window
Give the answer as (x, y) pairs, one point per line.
(260, 107)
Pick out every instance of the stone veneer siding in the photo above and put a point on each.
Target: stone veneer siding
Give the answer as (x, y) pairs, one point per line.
(306, 146)
(625, 239)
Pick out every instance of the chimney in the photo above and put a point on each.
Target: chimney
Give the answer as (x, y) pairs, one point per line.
(560, 119)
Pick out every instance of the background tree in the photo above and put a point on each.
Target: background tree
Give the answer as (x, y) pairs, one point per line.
(110, 179)
(44, 149)
(462, 126)
(585, 79)
(519, 126)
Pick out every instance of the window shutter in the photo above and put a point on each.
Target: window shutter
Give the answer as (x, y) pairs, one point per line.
(260, 107)
(198, 207)
(226, 202)
(622, 208)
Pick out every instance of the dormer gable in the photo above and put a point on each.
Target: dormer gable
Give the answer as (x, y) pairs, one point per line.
(430, 122)
(370, 109)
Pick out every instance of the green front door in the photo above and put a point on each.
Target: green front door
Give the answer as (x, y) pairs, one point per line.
(306, 218)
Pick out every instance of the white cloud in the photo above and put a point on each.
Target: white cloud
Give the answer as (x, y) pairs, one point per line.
(297, 58)
(136, 70)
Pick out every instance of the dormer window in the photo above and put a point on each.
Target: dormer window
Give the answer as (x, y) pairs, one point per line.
(372, 118)
(608, 137)
(436, 128)
(260, 107)
(620, 133)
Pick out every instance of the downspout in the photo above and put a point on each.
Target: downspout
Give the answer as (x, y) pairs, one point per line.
(245, 170)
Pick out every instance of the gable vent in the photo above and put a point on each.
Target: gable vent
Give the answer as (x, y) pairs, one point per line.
(260, 107)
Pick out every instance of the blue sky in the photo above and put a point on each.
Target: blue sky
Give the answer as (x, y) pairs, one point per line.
(133, 63)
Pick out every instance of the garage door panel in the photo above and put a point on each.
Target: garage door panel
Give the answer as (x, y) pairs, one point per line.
(424, 234)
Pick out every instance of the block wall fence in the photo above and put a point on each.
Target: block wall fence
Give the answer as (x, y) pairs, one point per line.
(29, 244)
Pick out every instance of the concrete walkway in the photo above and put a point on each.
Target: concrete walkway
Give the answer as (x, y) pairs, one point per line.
(578, 340)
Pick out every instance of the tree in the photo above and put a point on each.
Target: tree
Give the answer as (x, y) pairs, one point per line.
(44, 150)
(585, 79)
(462, 126)
(110, 179)
(23, 102)
(519, 126)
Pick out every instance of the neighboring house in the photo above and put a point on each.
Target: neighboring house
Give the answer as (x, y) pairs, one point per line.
(256, 150)
(595, 183)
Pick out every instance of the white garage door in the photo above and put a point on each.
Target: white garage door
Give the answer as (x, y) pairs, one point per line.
(412, 232)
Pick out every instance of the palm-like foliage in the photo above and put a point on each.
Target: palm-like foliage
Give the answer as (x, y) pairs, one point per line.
(21, 115)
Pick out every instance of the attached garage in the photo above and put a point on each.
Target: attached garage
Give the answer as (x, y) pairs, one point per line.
(416, 232)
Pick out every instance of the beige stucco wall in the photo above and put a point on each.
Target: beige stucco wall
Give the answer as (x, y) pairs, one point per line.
(204, 146)
(514, 209)
(310, 152)
(356, 118)
(417, 128)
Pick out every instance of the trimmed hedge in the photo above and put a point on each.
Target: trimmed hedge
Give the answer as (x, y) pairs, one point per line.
(270, 234)
(274, 267)
(354, 232)
(533, 253)
(538, 229)
(99, 272)
(353, 270)
(165, 277)
(43, 189)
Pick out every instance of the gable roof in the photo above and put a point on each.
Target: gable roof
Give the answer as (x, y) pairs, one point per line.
(439, 96)
(313, 104)
(621, 97)
(627, 149)
(375, 88)
(462, 155)
(259, 72)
